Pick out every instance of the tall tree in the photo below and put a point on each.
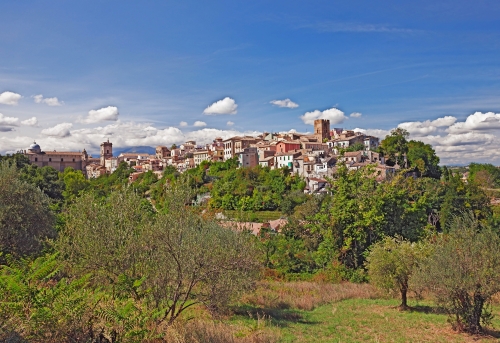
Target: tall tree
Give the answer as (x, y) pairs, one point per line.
(395, 146)
(46, 178)
(423, 159)
(168, 261)
(25, 218)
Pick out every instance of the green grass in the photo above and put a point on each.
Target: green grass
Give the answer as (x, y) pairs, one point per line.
(361, 320)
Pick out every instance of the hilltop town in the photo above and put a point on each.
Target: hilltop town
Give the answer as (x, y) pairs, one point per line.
(312, 156)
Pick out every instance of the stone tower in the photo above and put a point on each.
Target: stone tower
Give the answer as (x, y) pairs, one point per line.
(106, 151)
(322, 129)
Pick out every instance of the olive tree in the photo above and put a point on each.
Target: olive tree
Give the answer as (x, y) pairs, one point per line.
(391, 263)
(101, 236)
(463, 272)
(166, 262)
(25, 218)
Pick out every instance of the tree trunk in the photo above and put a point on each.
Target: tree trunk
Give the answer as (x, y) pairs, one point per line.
(477, 309)
(404, 300)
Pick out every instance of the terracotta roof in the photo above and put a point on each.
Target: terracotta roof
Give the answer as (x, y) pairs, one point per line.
(345, 139)
(62, 153)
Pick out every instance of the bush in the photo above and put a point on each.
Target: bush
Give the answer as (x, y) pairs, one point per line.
(463, 272)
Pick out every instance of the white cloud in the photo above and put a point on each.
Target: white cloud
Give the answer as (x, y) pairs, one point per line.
(230, 123)
(469, 138)
(38, 98)
(121, 134)
(10, 98)
(30, 122)
(183, 123)
(109, 113)
(335, 116)
(419, 128)
(224, 106)
(374, 132)
(8, 121)
(355, 115)
(199, 123)
(285, 103)
(477, 121)
(60, 130)
(48, 101)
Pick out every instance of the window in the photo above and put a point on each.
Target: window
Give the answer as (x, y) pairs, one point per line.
(62, 160)
(36, 159)
(50, 159)
(73, 160)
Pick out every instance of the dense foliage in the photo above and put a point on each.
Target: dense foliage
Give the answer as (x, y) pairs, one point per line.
(391, 263)
(109, 260)
(25, 218)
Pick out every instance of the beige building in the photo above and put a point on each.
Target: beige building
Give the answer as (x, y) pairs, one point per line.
(200, 156)
(249, 157)
(162, 152)
(59, 160)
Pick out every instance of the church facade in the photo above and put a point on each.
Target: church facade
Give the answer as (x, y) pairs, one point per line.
(60, 160)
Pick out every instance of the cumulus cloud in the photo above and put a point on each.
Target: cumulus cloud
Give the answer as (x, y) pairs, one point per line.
(183, 123)
(229, 123)
(30, 122)
(335, 116)
(461, 139)
(422, 128)
(285, 103)
(10, 98)
(374, 132)
(109, 113)
(121, 134)
(199, 123)
(60, 130)
(224, 106)
(477, 121)
(8, 121)
(355, 115)
(39, 99)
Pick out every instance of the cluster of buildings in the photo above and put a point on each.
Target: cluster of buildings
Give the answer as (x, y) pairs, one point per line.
(312, 156)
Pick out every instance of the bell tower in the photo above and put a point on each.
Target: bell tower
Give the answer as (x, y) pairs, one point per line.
(322, 129)
(106, 151)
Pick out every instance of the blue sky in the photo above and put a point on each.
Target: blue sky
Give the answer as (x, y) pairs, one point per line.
(147, 66)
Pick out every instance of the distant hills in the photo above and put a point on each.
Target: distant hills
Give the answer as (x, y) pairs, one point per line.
(132, 149)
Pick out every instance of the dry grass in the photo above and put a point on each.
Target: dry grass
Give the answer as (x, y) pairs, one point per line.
(303, 295)
(218, 332)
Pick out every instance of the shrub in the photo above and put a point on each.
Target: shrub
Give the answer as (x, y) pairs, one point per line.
(463, 272)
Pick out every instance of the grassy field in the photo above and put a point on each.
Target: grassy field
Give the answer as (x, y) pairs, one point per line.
(309, 312)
